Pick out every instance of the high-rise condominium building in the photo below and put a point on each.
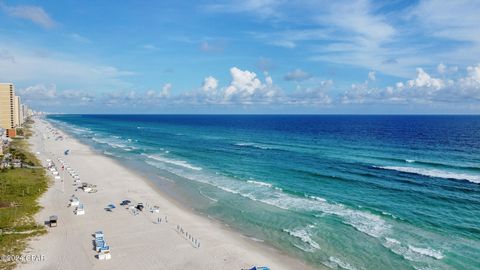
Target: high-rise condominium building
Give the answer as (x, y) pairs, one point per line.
(8, 111)
(18, 113)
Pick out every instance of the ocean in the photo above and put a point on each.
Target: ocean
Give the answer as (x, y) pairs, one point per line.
(337, 191)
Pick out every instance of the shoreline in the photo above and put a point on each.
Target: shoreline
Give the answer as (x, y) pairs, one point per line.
(222, 248)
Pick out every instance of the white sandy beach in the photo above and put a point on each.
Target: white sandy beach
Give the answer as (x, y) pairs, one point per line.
(136, 241)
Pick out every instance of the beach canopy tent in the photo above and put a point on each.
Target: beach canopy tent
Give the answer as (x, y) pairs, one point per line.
(112, 206)
(258, 268)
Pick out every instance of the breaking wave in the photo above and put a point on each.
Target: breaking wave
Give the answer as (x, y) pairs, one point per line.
(434, 173)
(176, 162)
(305, 237)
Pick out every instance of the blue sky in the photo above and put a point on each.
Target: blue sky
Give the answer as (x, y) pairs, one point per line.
(264, 56)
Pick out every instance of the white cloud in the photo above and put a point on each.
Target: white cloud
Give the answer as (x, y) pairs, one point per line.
(441, 68)
(210, 84)
(76, 95)
(474, 72)
(268, 79)
(297, 75)
(247, 88)
(423, 89)
(424, 80)
(317, 95)
(39, 91)
(371, 76)
(166, 89)
(67, 71)
(34, 14)
(47, 95)
(162, 94)
(362, 34)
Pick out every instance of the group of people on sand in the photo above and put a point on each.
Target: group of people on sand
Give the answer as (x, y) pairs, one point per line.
(188, 236)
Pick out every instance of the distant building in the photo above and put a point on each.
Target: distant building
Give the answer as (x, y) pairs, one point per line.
(12, 112)
(25, 111)
(18, 111)
(8, 111)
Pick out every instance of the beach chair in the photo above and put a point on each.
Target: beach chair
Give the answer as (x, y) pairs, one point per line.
(104, 249)
(258, 268)
(104, 256)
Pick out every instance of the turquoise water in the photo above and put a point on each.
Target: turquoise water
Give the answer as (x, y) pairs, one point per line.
(339, 192)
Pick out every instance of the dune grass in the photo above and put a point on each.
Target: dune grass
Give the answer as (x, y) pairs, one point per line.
(20, 189)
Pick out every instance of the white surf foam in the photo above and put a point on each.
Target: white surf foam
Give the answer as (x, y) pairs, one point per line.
(99, 140)
(336, 262)
(305, 237)
(427, 252)
(254, 145)
(411, 253)
(363, 221)
(259, 183)
(176, 162)
(434, 173)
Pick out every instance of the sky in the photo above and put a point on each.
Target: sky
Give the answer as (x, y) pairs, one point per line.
(243, 56)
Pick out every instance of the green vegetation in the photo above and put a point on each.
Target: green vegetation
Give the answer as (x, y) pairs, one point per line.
(20, 188)
(25, 130)
(18, 148)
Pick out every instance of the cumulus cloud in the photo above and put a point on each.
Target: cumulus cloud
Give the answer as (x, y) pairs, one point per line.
(424, 80)
(317, 95)
(246, 88)
(423, 89)
(39, 91)
(42, 94)
(210, 84)
(162, 94)
(297, 75)
(34, 14)
(441, 68)
(77, 95)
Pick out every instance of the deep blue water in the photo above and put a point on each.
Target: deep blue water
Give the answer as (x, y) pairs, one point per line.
(340, 192)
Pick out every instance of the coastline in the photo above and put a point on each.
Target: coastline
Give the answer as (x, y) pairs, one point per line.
(138, 241)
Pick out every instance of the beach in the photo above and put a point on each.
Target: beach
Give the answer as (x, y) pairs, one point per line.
(136, 240)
